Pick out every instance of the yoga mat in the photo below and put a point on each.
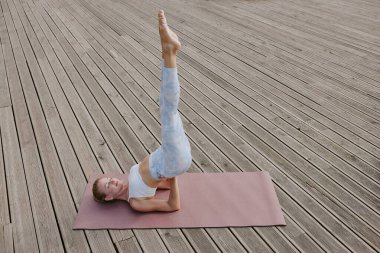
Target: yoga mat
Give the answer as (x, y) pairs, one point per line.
(230, 199)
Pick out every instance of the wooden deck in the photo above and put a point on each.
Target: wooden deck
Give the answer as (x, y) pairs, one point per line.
(287, 86)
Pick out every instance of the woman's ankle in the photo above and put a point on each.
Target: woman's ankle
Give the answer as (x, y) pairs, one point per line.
(170, 60)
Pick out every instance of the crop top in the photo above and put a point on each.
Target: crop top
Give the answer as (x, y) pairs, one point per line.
(137, 187)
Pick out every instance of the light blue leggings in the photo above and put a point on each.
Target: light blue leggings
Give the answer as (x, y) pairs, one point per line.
(173, 157)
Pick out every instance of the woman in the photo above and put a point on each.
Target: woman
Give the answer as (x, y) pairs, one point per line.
(172, 158)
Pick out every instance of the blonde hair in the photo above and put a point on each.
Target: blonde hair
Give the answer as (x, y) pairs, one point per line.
(97, 194)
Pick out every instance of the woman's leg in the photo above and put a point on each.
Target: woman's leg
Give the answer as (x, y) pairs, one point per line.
(173, 157)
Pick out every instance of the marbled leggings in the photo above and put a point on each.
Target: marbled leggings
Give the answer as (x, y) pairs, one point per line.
(173, 157)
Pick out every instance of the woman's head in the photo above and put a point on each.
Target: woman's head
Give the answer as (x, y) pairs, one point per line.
(107, 189)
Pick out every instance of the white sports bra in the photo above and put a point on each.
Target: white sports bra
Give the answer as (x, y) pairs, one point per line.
(137, 187)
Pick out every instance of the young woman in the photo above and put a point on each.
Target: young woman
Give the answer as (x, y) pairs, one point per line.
(172, 158)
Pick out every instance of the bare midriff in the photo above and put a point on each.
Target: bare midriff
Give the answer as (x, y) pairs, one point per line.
(145, 173)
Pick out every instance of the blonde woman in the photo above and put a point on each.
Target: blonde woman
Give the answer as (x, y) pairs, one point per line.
(171, 159)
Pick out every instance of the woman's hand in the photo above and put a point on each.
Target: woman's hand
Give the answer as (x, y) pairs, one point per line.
(164, 184)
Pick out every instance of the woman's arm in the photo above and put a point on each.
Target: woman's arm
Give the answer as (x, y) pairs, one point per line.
(149, 205)
(174, 199)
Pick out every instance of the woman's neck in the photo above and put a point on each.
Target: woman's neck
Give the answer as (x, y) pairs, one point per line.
(123, 195)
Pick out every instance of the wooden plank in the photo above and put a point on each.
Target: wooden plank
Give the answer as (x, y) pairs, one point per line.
(98, 142)
(98, 75)
(336, 40)
(281, 67)
(225, 135)
(287, 41)
(119, 124)
(267, 127)
(356, 69)
(238, 74)
(4, 209)
(115, 81)
(297, 104)
(100, 246)
(23, 231)
(318, 24)
(5, 99)
(347, 19)
(97, 50)
(98, 239)
(110, 74)
(319, 193)
(129, 245)
(214, 100)
(33, 169)
(254, 243)
(177, 241)
(349, 47)
(75, 240)
(209, 56)
(360, 8)
(65, 98)
(273, 88)
(128, 105)
(72, 126)
(39, 197)
(148, 236)
(217, 127)
(51, 235)
(365, 182)
(299, 97)
(200, 240)
(8, 238)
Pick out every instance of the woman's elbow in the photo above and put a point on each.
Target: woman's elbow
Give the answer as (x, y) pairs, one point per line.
(175, 206)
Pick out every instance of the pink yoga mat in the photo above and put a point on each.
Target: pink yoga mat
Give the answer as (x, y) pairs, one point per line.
(230, 199)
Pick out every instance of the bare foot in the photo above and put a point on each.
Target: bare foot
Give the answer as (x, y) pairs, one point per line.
(169, 40)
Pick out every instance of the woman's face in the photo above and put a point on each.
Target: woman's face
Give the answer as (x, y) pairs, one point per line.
(111, 187)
